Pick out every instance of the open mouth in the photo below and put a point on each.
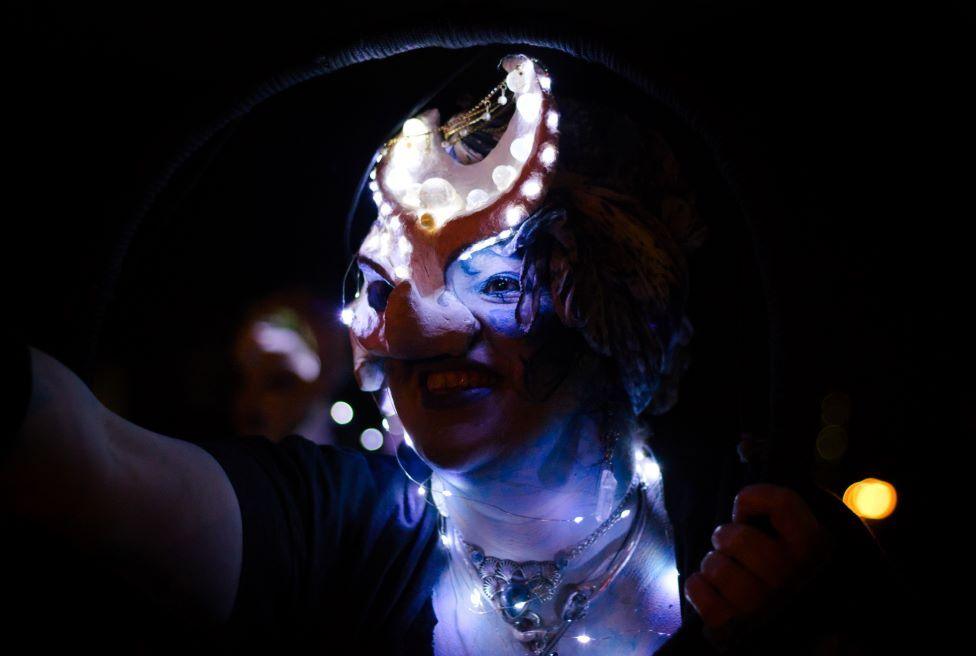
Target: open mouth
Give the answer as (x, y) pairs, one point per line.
(446, 382)
(454, 387)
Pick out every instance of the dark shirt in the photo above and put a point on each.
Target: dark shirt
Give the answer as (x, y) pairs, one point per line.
(339, 548)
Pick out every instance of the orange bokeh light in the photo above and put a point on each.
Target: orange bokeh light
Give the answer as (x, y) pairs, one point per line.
(871, 498)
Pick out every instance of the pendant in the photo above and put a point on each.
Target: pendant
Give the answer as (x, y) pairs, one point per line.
(514, 583)
(604, 499)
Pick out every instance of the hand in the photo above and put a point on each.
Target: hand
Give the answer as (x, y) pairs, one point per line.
(751, 572)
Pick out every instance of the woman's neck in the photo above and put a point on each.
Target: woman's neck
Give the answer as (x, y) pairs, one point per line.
(530, 505)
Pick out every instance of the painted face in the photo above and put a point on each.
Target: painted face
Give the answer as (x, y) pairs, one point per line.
(435, 316)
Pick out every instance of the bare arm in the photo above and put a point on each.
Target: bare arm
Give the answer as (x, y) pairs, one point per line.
(162, 509)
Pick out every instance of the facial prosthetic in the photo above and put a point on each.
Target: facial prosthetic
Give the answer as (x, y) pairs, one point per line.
(433, 206)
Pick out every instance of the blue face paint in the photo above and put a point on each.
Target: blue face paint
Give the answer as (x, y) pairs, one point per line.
(488, 283)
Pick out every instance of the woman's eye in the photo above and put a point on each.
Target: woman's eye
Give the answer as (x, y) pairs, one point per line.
(501, 286)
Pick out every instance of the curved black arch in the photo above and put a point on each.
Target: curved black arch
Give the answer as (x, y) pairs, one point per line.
(746, 183)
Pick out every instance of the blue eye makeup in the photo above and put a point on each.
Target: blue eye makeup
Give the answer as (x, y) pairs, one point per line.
(505, 287)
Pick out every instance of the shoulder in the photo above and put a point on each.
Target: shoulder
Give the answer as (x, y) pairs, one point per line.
(317, 519)
(304, 472)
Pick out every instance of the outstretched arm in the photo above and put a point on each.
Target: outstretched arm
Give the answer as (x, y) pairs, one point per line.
(162, 509)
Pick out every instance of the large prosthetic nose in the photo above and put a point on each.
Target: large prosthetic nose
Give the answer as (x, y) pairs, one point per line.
(413, 326)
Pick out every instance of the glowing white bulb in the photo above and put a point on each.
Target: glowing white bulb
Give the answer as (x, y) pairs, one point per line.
(625, 514)
(341, 413)
(552, 120)
(651, 471)
(372, 174)
(532, 188)
(374, 185)
(436, 193)
(476, 198)
(414, 127)
(404, 247)
(514, 214)
(503, 176)
(407, 154)
(385, 209)
(521, 148)
(398, 180)
(578, 520)
(386, 424)
(583, 639)
(519, 605)
(377, 198)
(422, 491)
(371, 439)
(520, 79)
(545, 82)
(346, 316)
(548, 155)
(529, 105)
(384, 242)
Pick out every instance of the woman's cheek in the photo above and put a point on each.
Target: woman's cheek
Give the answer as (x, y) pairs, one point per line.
(503, 322)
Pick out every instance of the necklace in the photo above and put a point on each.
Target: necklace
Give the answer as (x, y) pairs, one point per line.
(517, 589)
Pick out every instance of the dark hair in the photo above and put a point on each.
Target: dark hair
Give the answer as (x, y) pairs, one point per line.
(609, 250)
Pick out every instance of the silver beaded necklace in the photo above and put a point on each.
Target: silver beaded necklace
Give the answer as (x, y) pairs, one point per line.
(517, 589)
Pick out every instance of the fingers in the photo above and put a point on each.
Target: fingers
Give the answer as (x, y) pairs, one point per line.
(788, 513)
(750, 570)
(743, 590)
(714, 610)
(760, 554)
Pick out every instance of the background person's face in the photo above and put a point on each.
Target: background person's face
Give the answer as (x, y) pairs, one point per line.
(505, 392)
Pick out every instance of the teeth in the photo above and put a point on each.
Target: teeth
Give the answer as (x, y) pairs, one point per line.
(454, 380)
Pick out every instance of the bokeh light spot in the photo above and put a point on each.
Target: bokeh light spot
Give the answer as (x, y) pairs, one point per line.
(341, 412)
(835, 409)
(371, 439)
(871, 498)
(832, 442)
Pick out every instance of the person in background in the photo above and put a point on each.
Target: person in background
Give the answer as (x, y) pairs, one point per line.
(290, 358)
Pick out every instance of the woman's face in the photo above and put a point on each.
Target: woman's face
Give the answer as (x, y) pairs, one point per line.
(507, 390)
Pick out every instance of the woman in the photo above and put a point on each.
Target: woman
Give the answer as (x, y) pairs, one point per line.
(526, 318)
(524, 312)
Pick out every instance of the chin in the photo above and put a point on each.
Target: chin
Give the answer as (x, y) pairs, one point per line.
(452, 451)
(456, 436)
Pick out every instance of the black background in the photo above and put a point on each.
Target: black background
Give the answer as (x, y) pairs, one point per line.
(859, 113)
